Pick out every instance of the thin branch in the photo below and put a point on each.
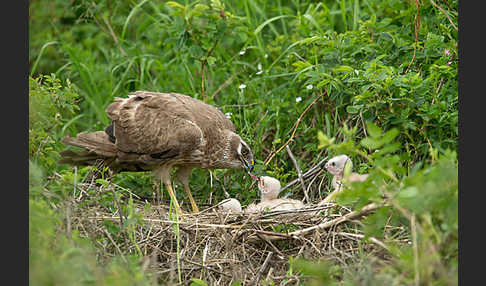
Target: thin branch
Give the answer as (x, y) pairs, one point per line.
(295, 128)
(203, 64)
(116, 245)
(306, 175)
(416, 26)
(262, 269)
(118, 205)
(299, 173)
(112, 33)
(415, 251)
(226, 83)
(445, 13)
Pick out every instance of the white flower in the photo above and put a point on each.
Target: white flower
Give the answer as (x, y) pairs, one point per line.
(258, 72)
(242, 52)
(310, 86)
(266, 56)
(228, 115)
(242, 86)
(259, 67)
(298, 99)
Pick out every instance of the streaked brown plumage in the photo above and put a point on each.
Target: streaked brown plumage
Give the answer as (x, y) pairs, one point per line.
(158, 131)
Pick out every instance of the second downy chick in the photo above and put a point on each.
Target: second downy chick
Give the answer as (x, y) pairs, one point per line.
(269, 189)
(336, 166)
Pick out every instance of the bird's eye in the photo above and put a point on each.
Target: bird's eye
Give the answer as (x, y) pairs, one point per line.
(333, 164)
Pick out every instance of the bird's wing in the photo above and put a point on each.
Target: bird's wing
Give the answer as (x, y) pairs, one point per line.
(154, 124)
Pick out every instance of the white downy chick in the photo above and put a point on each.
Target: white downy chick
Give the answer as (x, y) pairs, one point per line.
(270, 188)
(336, 166)
(231, 205)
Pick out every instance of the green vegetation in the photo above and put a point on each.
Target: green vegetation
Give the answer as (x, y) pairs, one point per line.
(384, 79)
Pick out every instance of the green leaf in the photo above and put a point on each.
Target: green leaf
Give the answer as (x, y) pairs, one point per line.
(390, 135)
(198, 282)
(300, 65)
(347, 69)
(354, 109)
(324, 141)
(373, 130)
(371, 143)
(409, 192)
(102, 181)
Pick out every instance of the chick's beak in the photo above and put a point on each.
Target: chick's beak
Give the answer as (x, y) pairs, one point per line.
(248, 166)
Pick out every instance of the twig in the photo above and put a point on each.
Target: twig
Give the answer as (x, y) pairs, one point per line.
(307, 174)
(112, 33)
(116, 245)
(415, 250)
(438, 89)
(40, 146)
(361, 236)
(119, 206)
(68, 220)
(295, 128)
(445, 13)
(262, 269)
(295, 234)
(272, 246)
(206, 267)
(299, 173)
(447, 3)
(203, 64)
(226, 83)
(302, 210)
(417, 26)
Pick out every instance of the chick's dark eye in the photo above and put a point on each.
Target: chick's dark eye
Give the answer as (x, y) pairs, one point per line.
(333, 164)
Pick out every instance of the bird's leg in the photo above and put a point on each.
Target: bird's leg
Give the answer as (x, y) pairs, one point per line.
(164, 174)
(173, 197)
(183, 176)
(157, 189)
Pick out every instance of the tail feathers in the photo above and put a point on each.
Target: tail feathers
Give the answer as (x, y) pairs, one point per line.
(77, 158)
(96, 146)
(97, 142)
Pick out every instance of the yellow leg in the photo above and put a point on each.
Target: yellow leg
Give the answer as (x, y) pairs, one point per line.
(195, 209)
(183, 174)
(173, 197)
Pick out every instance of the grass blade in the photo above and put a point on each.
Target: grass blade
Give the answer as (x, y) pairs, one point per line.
(40, 55)
(259, 28)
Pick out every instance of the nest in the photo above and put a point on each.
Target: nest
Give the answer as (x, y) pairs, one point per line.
(219, 247)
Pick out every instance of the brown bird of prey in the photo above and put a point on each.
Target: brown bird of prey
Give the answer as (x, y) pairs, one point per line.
(270, 188)
(154, 132)
(336, 166)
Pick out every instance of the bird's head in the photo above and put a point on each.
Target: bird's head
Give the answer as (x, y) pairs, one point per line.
(245, 155)
(269, 187)
(336, 165)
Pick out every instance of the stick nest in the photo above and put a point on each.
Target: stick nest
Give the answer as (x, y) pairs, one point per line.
(220, 247)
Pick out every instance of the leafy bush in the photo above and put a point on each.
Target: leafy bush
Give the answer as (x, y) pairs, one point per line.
(59, 257)
(51, 111)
